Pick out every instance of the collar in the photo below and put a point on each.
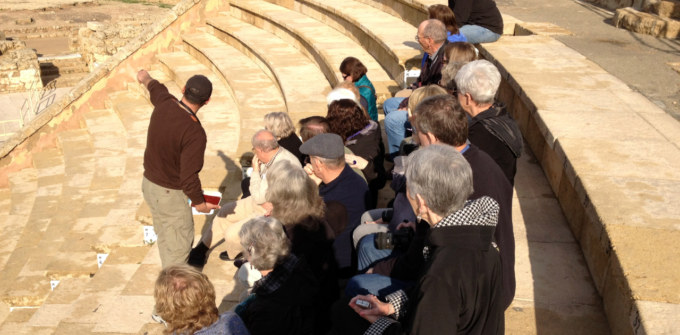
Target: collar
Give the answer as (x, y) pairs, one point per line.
(188, 110)
(279, 275)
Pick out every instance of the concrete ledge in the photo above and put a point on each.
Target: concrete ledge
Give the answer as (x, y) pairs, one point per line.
(587, 128)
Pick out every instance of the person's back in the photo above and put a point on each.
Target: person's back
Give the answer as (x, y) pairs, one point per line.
(164, 155)
(482, 134)
(286, 308)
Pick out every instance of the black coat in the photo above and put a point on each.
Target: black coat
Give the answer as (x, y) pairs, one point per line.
(496, 133)
(460, 290)
(290, 309)
(488, 180)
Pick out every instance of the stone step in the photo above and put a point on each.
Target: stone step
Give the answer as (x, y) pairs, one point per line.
(389, 39)
(317, 40)
(20, 285)
(253, 90)
(303, 85)
(646, 23)
(220, 119)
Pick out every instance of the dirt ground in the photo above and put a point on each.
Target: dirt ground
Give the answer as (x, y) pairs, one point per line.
(63, 15)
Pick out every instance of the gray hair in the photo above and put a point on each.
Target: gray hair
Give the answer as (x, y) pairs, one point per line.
(436, 30)
(266, 242)
(333, 163)
(292, 193)
(264, 140)
(441, 176)
(480, 79)
(279, 123)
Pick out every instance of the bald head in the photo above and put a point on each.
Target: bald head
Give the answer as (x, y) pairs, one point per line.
(433, 29)
(264, 140)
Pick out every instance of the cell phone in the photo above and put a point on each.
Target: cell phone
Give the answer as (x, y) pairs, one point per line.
(363, 304)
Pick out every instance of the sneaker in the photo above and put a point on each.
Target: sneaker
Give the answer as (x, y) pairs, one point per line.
(159, 319)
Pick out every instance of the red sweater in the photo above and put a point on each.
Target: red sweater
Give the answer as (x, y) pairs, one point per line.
(175, 145)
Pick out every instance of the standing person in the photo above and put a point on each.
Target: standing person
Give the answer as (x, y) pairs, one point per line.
(480, 21)
(355, 72)
(175, 147)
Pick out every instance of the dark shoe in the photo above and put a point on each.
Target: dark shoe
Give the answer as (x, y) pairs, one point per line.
(224, 256)
(198, 255)
(239, 262)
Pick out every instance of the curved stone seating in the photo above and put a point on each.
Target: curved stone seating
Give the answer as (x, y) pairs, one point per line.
(384, 36)
(322, 43)
(303, 85)
(74, 193)
(255, 93)
(611, 158)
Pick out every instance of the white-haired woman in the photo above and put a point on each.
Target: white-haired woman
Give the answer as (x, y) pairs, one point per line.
(299, 207)
(459, 287)
(283, 301)
(491, 128)
(280, 124)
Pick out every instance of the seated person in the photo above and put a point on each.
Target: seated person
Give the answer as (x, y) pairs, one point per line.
(402, 210)
(459, 286)
(480, 21)
(283, 301)
(185, 300)
(440, 120)
(354, 71)
(363, 137)
(432, 38)
(455, 56)
(337, 182)
(296, 203)
(445, 14)
(232, 215)
(279, 124)
(491, 128)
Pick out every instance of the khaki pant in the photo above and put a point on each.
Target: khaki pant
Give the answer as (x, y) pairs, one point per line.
(172, 222)
(231, 218)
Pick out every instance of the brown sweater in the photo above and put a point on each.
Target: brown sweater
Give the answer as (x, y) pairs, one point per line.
(175, 145)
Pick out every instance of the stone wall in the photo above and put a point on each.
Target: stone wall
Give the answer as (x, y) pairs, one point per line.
(19, 68)
(98, 41)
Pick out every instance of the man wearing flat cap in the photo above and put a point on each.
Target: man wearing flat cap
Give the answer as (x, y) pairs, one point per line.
(175, 147)
(338, 183)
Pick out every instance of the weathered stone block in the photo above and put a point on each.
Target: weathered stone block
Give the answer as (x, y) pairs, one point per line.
(669, 9)
(644, 23)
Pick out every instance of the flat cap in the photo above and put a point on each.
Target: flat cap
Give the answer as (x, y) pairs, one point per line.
(324, 145)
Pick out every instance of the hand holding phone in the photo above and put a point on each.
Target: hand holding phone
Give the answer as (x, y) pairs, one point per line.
(363, 303)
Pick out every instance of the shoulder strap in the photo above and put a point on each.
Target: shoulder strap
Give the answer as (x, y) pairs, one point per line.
(369, 87)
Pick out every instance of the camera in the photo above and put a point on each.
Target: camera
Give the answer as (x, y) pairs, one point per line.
(400, 239)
